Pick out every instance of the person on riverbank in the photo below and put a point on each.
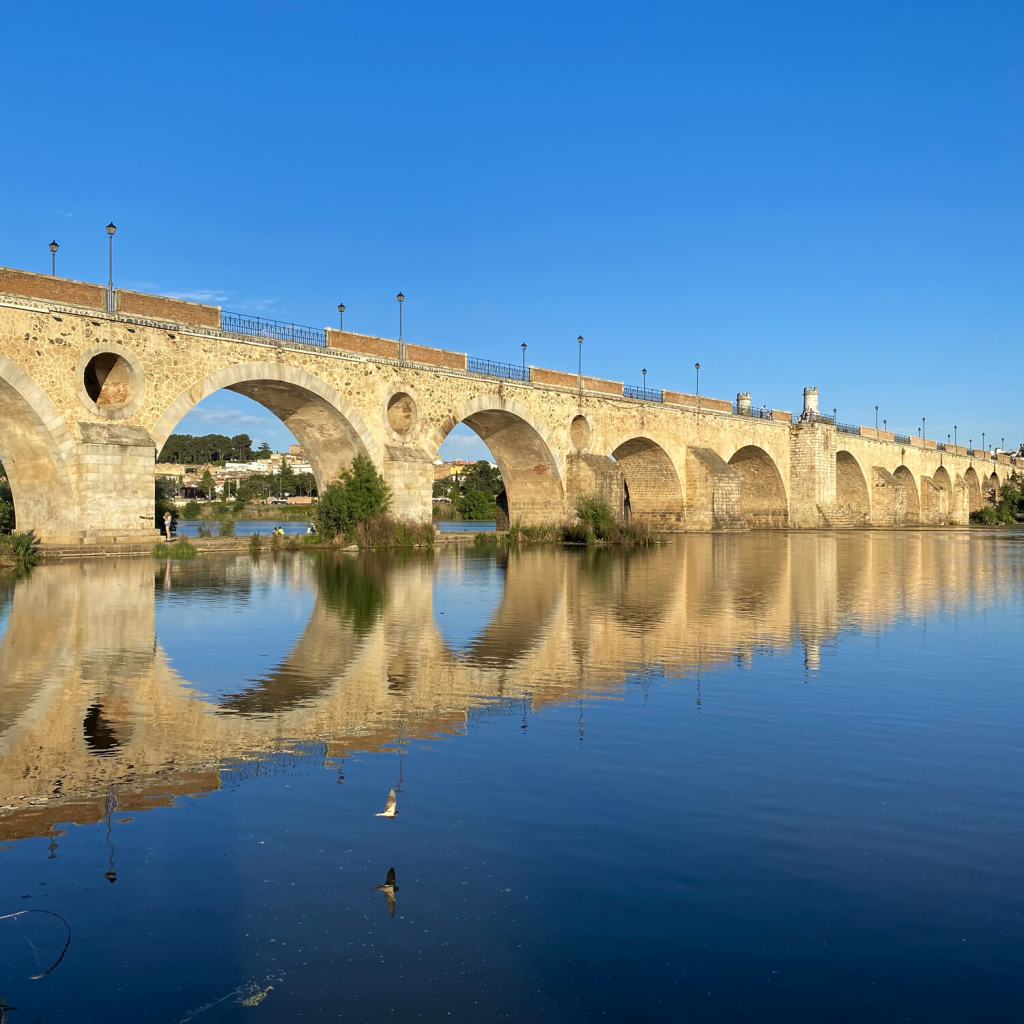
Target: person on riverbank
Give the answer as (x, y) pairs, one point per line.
(167, 527)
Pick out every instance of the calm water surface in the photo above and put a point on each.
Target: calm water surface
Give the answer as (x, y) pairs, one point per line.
(769, 777)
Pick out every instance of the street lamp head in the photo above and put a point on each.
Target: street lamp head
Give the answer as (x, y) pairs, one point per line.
(523, 346)
(341, 307)
(111, 228)
(580, 339)
(54, 247)
(400, 297)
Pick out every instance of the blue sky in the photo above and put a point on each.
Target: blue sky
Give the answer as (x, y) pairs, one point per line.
(792, 194)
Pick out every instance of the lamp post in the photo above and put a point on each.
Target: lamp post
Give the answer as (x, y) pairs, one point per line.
(111, 228)
(341, 316)
(696, 367)
(885, 425)
(644, 372)
(954, 433)
(876, 417)
(523, 347)
(579, 371)
(834, 417)
(401, 343)
(983, 448)
(922, 427)
(53, 258)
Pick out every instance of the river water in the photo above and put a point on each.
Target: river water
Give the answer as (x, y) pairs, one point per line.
(765, 777)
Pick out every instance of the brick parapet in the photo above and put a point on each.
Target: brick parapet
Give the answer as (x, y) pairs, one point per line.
(160, 307)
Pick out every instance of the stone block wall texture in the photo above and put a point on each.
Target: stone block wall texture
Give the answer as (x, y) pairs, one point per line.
(595, 475)
(160, 308)
(55, 289)
(75, 473)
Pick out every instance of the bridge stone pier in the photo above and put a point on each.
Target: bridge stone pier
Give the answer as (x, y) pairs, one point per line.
(89, 394)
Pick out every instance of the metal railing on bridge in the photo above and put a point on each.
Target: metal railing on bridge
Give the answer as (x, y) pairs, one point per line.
(275, 330)
(847, 428)
(901, 438)
(506, 371)
(642, 393)
(763, 413)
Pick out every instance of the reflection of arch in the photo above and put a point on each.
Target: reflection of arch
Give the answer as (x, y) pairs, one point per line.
(852, 489)
(763, 502)
(327, 426)
(651, 478)
(906, 480)
(973, 486)
(521, 447)
(529, 595)
(35, 445)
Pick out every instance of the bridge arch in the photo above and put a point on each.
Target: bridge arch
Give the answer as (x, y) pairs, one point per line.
(531, 471)
(906, 480)
(991, 487)
(327, 426)
(852, 493)
(763, 501)
(973, 486)
(936, 497)
(35, 448)
(652, 480)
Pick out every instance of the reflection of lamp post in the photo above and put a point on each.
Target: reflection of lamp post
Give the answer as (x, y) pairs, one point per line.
(523, 346)
(341, 316)
(110, 266)
(53, 258)
(110, 875)
(401, 344)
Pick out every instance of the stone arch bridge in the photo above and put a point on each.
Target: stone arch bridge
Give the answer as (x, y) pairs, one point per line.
(92, 385)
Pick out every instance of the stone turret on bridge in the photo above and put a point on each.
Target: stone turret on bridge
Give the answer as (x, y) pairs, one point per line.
(89, 396)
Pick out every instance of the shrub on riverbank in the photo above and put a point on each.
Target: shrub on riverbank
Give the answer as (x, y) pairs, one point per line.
(595, 523)
(180, 549)
(360, 495)
(18, 550)
(1008, 510)
(384, 531)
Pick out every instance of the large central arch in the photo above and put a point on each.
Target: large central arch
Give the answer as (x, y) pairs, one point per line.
(852, 492)
(327, 426)
(905, 478)
(532, 475)
(763, 503)
(973, 485)
(35, 448)
(655, 491)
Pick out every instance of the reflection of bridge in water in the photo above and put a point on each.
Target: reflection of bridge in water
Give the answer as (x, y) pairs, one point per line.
(89, 699)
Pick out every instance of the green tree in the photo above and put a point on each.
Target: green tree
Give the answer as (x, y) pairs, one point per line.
(286, 479)
(360, 494)
(482, 476)
(206, 484)
(264, 451)
(191, 510)
(241, 447)
(476, 506)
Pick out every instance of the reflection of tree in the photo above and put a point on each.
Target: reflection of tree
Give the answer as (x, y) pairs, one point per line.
(353, 587)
